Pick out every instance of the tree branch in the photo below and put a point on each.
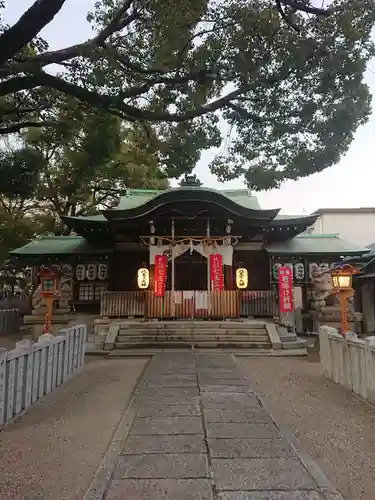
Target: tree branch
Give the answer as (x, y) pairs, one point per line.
(305, 7)
(129, 112)
(14, 39)
(17, 127)
(119, 21)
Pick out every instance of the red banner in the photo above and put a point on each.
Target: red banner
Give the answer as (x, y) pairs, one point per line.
(285, 280)
(160, 275)
(216, 271)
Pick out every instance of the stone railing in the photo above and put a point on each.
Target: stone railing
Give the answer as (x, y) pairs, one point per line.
(348, 361)
(32, 370)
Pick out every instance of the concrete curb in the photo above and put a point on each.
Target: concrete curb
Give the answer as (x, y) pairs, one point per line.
(104, 472)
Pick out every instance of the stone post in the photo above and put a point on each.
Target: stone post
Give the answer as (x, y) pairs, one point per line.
(10, 385)
(3, 357)
(27, 346)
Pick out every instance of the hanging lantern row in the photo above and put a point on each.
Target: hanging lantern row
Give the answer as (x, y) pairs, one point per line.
(92, 272)
(299, 269)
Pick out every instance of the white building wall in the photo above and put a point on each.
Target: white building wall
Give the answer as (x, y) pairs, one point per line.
(356, 227)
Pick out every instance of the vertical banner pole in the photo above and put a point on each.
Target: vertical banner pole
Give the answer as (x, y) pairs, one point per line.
(286, 300)
(208, 268)
(173, 271)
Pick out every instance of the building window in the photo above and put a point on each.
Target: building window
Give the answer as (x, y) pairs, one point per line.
(91, 291)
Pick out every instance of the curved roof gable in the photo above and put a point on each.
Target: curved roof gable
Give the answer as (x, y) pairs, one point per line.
(239, 203)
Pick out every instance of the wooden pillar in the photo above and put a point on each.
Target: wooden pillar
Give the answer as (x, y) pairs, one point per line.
(228, 278)
(152, 274)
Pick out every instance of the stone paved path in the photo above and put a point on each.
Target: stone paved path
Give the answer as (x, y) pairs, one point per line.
(200, 433)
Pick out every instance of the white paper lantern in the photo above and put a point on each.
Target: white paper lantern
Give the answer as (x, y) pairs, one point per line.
(91, 272)
(289, 266)
(102, 271)
(275, 268)
(299, 271)
(80, 272)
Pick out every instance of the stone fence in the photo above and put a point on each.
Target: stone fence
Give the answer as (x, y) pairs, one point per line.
(349, 362)
(32, 370)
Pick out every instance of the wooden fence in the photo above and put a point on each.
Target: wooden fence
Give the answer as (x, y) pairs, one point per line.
(258, 303)
(10, 321)
(21, 302)
(30, 371)
(123, 304)
(189, 304)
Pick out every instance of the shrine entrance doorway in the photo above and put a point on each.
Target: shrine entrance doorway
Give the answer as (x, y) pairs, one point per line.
(191, 272)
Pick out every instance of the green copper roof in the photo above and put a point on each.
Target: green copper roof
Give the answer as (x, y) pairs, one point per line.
(315, 244)
(300, 245)
(138, 197)
(58, 245)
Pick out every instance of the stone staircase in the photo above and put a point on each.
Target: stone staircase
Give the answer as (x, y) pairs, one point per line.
(190, 333)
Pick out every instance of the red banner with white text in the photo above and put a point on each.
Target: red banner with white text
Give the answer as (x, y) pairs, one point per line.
(160, 275)
(216, 272)
(285, 280)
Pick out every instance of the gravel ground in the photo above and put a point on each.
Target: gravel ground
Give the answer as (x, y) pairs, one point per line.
(53, 451)
(334, 427)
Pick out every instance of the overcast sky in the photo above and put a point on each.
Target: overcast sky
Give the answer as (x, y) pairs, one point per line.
(351, 183)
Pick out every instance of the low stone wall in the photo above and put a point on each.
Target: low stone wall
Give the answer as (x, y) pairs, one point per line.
(349, 362)
(32, 370)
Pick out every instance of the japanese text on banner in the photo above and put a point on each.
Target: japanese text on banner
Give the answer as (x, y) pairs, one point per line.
(216, 272)
(285, 280)
(160, 275)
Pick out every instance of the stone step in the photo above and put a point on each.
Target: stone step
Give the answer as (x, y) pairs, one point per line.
(167, 325)
(203, 343)
(193, 331)
(224, 338)
(298, 344)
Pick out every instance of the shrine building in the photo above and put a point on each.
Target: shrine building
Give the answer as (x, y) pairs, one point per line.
(184, 253)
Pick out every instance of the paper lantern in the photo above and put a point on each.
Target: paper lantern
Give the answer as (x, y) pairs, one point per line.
(275, 269)
(91, 272)
(242, 278)
(80, 272)
(143, 278)
(102, 271)
(299, 271)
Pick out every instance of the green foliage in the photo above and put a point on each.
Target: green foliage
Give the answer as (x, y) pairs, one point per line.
(289, 89)
(301, 95)
(19, 172)
(75, 168)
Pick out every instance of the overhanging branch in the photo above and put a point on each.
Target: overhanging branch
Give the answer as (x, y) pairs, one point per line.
(112, 104)
(306, 7)
(15, 38)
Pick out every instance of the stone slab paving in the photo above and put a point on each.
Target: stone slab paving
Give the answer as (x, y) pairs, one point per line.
(197, 431)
